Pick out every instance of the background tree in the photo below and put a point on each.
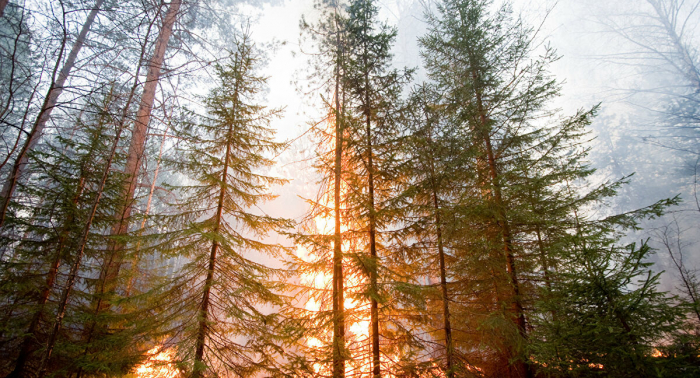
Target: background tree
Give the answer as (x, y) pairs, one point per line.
(58, 81)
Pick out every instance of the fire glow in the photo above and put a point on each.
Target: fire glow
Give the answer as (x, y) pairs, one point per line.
(357, 324)
(160, 364)
(358, 328)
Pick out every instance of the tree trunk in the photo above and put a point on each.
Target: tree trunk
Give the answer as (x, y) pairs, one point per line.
(3, 4)
(137, 148)
(136, 259)
(50, 101)
(522, 368)
(543, 258)
(204, 309)
(374, 292)
(449, 348)
(338, 284)
(443, 284)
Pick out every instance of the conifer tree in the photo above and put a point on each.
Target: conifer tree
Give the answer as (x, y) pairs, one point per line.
(321, 254)
(224, 328)
(492, 94)
(428, 195)
(512, 223)
(137, 148)
(373, 102)
(355, 66)
(64, 184)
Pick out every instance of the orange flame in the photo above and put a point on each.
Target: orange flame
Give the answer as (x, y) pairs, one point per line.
(160, 364)
(358, 328)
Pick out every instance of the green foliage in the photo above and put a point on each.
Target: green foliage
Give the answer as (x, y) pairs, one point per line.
(604, 313)
(226, 290)
(40, 240)
(512, 220)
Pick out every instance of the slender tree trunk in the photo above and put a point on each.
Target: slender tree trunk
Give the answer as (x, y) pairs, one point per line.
(136, 259)
(50, 101)
(522, 368)
(202, 332)
(137, 147)
(374, 292)
(449, 347)
(543, 258)
(443, 284)
(338, 284)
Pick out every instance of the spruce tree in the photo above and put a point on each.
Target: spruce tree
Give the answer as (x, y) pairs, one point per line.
(373, 97)
(601, 310)
(364, 108)
(224, 328)
(512, 221)
(433, 177)
(64, 186)
(493, 93)
(319, 316)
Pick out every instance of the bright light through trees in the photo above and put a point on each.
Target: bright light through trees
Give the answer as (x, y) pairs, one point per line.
(222, 188)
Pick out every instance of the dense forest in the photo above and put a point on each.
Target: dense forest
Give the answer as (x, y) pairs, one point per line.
(456, 218)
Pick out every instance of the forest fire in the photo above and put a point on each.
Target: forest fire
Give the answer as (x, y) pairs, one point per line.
(356, 310)
(160, 364)
(358, 329)
(349, 188)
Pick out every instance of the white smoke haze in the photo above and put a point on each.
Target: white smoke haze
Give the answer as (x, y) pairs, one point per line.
(612, 52)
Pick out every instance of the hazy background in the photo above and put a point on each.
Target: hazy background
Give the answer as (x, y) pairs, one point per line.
(603, 60)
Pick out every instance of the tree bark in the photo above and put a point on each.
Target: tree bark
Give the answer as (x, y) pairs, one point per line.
(338, 283)
(50, 101)
(136, 259)
(3, 4)
(449, 348)
(522, 368)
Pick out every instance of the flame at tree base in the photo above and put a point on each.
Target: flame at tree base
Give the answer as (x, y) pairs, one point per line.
(160, 364)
